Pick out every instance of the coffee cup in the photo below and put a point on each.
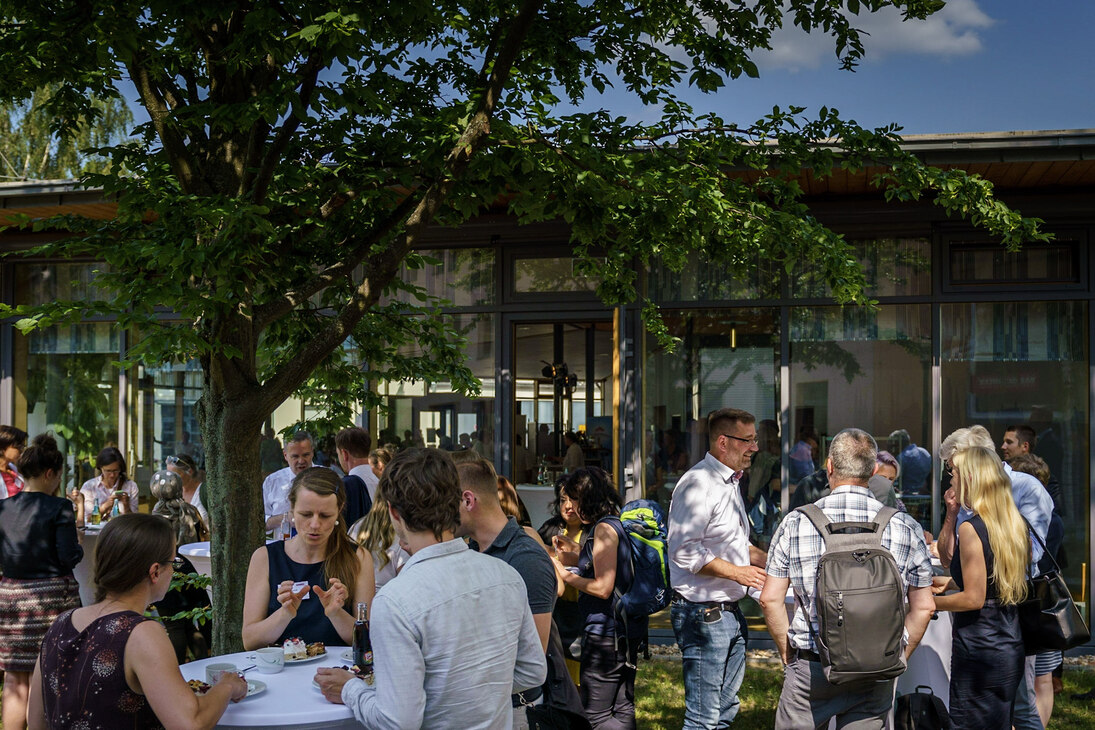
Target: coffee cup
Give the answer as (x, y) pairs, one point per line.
(213, 672)
(270, 660)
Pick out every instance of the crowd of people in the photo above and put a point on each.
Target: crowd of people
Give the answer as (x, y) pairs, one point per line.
(421, 535)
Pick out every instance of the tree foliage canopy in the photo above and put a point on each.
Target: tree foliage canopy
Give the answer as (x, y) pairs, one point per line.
(297, 150)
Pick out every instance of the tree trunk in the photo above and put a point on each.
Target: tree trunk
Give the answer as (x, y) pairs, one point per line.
(231, 424)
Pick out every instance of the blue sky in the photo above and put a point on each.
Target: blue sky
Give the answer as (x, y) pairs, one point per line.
(976, 66)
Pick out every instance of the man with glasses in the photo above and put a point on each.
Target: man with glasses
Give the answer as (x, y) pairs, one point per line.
(298, 454)
(183, 466)
(711, 564)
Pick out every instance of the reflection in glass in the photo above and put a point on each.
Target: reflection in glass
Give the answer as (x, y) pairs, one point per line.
(703, 280)
(49, 282)
(165, 419)
(431, 414)
(863, 368)
(464, 277)
(550, 275)
(70, 387)
(990, 263)
(891, 266)
(725, 359)
(1026, 362)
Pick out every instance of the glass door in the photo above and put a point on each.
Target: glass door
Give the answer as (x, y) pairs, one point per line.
(563, 397)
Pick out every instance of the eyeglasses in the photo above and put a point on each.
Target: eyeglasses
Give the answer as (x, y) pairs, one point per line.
(752, 442)
(176, 563)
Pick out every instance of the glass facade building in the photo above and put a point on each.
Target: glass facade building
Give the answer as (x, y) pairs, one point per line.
(962, 332)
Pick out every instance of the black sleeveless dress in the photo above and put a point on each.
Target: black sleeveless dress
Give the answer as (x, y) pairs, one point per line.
(987, 653)
(310, 623)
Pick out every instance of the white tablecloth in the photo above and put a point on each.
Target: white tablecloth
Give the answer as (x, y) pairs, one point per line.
(289, 702)
(85, 569)
(537, 499)
(930, 664)
(198, 553)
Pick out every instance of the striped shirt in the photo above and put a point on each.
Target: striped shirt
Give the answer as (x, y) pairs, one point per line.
(797, 548)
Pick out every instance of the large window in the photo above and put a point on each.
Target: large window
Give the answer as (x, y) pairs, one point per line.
(68, 384)
(1026, 362)
(862, 368)
(724, 359)
(433, 414)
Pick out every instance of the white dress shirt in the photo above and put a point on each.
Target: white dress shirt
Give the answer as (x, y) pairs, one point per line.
(707, 520)
(275, 492)
(442, 660)
(94, 489)
(364, 472)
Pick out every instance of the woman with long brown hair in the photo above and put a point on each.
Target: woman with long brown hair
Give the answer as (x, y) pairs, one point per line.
(994, 550)
(322, 556)
(108, 665)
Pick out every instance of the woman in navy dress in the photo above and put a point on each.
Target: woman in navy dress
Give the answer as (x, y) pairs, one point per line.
(321, 560)
(987, 655)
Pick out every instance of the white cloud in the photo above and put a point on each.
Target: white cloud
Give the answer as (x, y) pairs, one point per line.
(953, 31)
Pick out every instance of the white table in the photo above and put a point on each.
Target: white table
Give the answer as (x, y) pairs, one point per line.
(290, 702)
(930, 664)
(538, 499)
(84, 572)
(199, 555)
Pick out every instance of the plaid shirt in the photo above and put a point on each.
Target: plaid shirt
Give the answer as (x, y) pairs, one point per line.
(797, 547)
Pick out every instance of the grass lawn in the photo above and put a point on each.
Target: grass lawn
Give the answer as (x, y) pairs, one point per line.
(659, 694)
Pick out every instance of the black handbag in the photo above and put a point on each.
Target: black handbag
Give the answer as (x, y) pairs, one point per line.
(1048, 618)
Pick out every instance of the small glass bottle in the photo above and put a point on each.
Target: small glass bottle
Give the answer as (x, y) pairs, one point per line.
(96, 516)
(363, 646)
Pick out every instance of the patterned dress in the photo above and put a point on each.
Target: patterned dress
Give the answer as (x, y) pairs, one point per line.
(83, 676)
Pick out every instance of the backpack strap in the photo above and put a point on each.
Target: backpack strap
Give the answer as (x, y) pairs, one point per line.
(837, 535)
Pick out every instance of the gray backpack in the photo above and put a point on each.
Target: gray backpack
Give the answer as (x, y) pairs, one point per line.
(860, 600)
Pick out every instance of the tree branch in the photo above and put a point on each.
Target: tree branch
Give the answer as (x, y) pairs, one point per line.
(381, 269)
(309, 73)
(271, 311)
(177, 154)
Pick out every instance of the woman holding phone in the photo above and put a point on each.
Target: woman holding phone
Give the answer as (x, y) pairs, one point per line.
(111, 486)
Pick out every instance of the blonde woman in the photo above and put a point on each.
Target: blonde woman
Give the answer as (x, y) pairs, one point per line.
(375, 536)
(993, 547)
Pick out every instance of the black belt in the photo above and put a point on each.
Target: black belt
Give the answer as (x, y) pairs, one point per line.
(724, 605)
(528, 697)
(810, 656)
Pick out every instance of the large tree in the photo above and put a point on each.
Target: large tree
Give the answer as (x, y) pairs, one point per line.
(297, 150)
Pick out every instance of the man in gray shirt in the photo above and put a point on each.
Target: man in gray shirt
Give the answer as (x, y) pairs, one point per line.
(453, 637)
(492, 532)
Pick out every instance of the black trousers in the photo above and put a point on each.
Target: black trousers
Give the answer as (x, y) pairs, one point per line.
(607, 683)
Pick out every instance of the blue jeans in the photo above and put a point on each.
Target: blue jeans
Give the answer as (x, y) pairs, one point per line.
(714, 664)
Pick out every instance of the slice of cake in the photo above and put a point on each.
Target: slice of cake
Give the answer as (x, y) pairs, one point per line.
(295, 649)
(316, 648)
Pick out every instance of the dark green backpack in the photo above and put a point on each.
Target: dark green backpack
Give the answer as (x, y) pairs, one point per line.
(860, 600)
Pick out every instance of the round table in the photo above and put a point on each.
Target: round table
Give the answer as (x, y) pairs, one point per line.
(290, 701)
(85, 569)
